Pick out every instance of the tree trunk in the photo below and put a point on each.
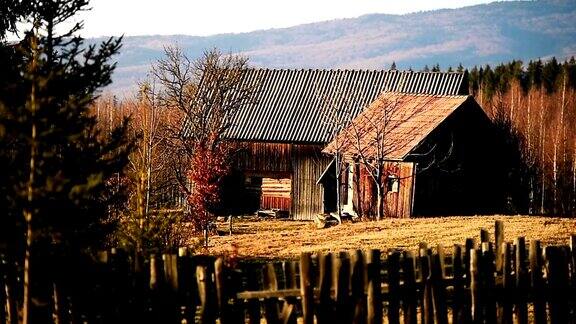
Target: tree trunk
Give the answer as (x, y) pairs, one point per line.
(29, 210)
(555, 175)
(562, 129)
(148, 185)
(379, 201)
(338, 170)
(542, 159)
(357, 190)
(206, 224)
(530, 154)
(574, 181)
(512, 104)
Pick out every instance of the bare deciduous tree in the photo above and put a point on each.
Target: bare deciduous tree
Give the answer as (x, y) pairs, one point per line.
(208, 93)
(374, 138)
(337, 114)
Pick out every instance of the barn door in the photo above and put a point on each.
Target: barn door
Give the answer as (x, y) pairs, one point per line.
(399, 190)
(391, 198)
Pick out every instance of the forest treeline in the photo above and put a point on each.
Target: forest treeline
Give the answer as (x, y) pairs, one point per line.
(536, 104)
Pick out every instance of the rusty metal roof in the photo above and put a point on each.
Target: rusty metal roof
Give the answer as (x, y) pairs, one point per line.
(289, 103)
(394, 124)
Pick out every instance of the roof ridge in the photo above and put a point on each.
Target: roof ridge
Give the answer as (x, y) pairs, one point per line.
(427, 94)
(351, 70)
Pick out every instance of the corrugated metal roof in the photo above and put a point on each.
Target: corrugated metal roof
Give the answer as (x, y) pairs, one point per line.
(394, 124)
(288, 105)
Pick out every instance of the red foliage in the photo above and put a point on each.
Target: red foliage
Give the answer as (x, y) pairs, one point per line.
(209, 164)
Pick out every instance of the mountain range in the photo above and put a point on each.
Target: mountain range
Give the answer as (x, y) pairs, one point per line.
(481, 34)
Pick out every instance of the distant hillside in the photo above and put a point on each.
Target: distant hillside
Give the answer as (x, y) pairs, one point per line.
(490, 33)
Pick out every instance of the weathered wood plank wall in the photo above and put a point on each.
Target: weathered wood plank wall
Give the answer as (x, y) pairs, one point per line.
(265, 159)
(303, 164)
(396, 204)
(276, 193)
(307, 197)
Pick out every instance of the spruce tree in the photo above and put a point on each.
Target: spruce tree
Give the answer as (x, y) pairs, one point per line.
(460, 68)
(55, 164)
(550, 74)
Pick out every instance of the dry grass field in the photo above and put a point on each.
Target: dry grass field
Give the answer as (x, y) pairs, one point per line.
(276, 239)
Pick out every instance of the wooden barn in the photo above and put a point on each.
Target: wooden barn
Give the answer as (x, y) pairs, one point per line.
(284, 132)
(435, 153)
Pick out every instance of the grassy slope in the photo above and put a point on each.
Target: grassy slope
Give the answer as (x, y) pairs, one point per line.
(286, 239)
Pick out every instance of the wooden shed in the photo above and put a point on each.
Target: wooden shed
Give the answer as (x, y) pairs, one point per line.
(434, 150)
(284, 132)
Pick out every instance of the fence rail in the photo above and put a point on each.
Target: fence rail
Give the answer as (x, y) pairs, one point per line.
(480, 282)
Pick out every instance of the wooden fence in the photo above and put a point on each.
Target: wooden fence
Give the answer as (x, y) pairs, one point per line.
(478, 282)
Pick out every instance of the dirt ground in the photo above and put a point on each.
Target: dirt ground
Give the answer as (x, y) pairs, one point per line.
(283, 239)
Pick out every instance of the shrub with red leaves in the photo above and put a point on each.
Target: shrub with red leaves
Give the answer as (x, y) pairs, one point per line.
(210, 163)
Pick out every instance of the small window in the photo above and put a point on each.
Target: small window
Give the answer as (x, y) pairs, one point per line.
(392, 183)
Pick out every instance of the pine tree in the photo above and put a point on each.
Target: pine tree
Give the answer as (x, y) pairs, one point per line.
(460, 68)
(54, 199)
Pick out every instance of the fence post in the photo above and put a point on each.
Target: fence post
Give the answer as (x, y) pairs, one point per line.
(187, 285)
(171, 275)
(427, 302)
(222, 292)
(458, 311)
(393, 265)
(521, 281)
(253, 305)
(438, 289)
(271, 303)
(441, 259)
(557, 283)
(505, 303)
(3, 299)
(326, 305)
(171, 271)
(475, 293)
(289, 268)
(288, 310)
(469, 246)
(488, 281)
(572, 259)
(484, 236)
(157, 287)
(499, 239)
(358, 286)
(537, 284)
(307, 288)
(154, 272)
(341, 283)
(374, 298)
(409, 293)
(207, 309)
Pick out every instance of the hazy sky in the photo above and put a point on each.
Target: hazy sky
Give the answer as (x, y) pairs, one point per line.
(206, 17)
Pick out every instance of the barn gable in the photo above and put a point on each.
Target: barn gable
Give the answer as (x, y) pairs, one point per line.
(434, 152)
(402, 120)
